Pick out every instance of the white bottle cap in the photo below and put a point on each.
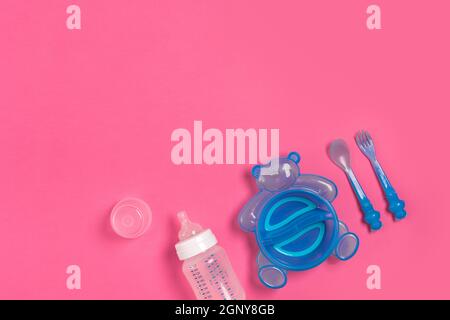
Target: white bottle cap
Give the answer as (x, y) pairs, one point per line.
(196, 244)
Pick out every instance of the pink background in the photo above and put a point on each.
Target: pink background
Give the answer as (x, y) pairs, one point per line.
(86, 118)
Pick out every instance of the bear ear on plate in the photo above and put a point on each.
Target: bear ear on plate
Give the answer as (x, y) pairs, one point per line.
(294, 156)
(256, 171)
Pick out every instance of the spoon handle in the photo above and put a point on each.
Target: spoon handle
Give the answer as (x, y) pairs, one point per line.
(396, 205)
(371, 216)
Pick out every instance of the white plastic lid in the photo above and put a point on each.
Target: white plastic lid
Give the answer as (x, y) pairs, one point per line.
(196, 244)
(130, 218)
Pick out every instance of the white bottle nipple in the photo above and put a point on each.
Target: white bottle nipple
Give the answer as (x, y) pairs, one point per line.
(188, 228)
(193, 238)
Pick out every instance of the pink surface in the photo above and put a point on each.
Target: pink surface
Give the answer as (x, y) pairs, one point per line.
(86, 118)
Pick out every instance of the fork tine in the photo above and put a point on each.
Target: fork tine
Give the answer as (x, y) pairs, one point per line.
(358, 139)
(368, 138)
(361, 138)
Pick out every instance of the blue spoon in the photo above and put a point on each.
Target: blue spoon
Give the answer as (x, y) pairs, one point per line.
(340, 155)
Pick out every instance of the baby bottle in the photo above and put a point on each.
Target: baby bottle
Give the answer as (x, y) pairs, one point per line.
(205, 264)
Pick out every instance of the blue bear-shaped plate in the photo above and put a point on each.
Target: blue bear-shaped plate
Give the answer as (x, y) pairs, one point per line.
(297, 229)
(295, 224)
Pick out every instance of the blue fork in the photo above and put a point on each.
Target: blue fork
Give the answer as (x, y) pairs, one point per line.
(396, 205)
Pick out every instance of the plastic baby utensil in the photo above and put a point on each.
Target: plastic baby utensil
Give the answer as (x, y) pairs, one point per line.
(205, 264)
(340, 155)
(294, 222)
(365, 144)
(130, 218)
